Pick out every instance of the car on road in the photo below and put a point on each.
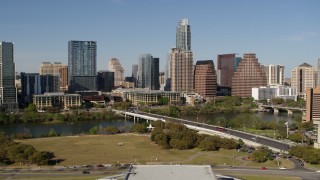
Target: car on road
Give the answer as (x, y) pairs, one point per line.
(85, 172)
(317, 170)
(99, 165)
(282, 168)
(263, 168)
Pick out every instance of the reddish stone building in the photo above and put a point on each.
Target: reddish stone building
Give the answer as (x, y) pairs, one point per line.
(226, 66)
(248, 75)
(205, 79)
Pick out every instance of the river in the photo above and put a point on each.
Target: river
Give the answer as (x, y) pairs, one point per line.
(67, 128)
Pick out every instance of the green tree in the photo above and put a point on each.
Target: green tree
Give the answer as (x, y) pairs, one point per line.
(296, 137)
(41, 158)
(94, 130)
(163, 100)
(111, 130)
(140, 128)
(31, 108)
(162, 140)
(210, 143)
(261, 155)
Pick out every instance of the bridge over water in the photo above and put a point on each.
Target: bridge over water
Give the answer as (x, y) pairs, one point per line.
(277, 108)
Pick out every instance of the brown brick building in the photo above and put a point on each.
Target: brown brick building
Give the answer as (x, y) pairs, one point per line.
(313, 112)
(205, 79)
(248, 75)
(227, 64)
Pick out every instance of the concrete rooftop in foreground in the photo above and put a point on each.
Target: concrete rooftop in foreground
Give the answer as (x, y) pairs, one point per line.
(171, 172)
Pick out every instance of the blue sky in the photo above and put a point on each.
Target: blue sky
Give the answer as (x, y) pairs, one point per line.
(283, 32)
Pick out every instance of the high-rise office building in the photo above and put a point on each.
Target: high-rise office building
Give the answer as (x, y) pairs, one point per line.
(82, 68)
(248, 75)
(274, 74)
(134, 73)
(115, 66)
(162, 80)
(34, 83)
(183, 35)
(303, 77)
(8, 91)
(56, 69)
(318, 68)
(63, 72)
(181, 70)
(167, 75)
(205, 79)
(105, 81)
(227, 64)
(50, 68)
(313, 111)
(148, 72)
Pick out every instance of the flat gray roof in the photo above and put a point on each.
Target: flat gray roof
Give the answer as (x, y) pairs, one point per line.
(171, 172)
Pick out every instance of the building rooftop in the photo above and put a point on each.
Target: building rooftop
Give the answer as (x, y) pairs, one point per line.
(170, 172)
(305, 65)
(204, 62)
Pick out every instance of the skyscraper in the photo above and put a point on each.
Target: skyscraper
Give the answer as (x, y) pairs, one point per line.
(318, 68)
(115, 66)
(134, 73)
(63, 72)
(249, 74)
(105, 81)
(181, 70)
(205, 79)
(274, 74)
(33, 83)
(148, 72)
(82, 68)
(56, 69)
(313, 111)
(183, 35)
(303, 77)
(227, 64)
(8, 92)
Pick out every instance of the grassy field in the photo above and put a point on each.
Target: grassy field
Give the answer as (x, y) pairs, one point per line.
(106, 149)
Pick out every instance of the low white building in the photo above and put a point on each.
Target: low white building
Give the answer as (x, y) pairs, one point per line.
(193, 98)
(270, 92)
(160, 172)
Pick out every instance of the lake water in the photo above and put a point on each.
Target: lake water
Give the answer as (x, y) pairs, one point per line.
(38, 129)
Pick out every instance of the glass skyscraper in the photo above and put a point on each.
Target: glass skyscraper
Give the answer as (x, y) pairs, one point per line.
(8, 92)
(82, 69)
(183, 35)
(148, 72)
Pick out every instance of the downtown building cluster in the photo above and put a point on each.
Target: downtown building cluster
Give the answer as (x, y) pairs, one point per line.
(203, 79)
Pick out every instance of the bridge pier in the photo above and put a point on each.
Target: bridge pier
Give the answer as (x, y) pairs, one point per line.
(275, 111)
(289, 112)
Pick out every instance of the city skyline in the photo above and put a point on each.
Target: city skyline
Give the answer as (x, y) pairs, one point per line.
(284, 32)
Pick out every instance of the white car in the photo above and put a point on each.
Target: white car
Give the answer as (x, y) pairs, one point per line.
(283, 168)
(318, 171)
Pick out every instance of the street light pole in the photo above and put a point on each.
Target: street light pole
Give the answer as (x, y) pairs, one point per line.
(287, 125)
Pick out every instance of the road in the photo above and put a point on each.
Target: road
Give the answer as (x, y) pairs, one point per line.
(251, 137)
(304, 175)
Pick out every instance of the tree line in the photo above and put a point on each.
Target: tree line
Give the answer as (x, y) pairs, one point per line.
(176, 136)
(30, 114)
(13, 152)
